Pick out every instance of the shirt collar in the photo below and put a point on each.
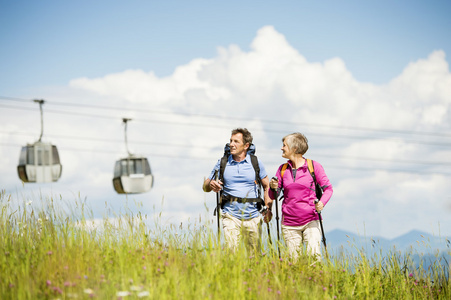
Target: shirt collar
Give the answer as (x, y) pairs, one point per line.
(247, 159)
(304, 166)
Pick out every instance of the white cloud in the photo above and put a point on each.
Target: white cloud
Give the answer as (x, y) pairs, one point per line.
(271, 81)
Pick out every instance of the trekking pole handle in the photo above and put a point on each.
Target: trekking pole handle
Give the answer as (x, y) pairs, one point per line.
(275, 178)
(316, 202)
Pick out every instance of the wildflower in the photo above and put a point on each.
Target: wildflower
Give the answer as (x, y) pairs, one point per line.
(67, 283)
(249, 289)
(49, 253)
(88, 291)
(269, 290)
(143, 294)
(29, 202)
(281, 259)
(411, 275)
(144, 267)
(122, 294)
(86, 276)
(11, 285)
(48, 282)
(324, 288)
(279, 292)
(135, 288)
(143, 257)
(245, 282)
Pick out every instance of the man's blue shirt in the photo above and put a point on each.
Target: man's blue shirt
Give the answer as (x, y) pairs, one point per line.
(239, 181)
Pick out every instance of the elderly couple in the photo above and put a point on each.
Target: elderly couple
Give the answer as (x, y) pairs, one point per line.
(240, 207)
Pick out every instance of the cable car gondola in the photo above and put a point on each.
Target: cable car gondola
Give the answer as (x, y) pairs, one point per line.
(132, 174)
(39, 162)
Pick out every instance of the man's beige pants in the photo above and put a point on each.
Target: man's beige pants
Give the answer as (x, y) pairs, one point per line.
(235, 228)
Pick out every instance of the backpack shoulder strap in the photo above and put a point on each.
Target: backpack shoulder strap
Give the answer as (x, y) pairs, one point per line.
(282, 171)
(318, 188)
(222, 166)
(254, 161)
(311, 168)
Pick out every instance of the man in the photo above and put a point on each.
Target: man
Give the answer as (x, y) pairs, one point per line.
(240, 196)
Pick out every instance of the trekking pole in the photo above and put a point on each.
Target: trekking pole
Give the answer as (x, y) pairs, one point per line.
(322, 229)
(269, 234)
(277, 219)
(265, 211)
(218, 210)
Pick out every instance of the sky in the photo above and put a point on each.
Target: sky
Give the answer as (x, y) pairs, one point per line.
(368, 83)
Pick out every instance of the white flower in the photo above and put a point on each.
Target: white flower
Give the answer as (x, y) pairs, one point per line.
(136, 288)
(88, 291)
(122, 294)
(143, 294)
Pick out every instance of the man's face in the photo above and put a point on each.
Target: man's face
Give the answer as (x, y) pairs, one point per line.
(237, 145)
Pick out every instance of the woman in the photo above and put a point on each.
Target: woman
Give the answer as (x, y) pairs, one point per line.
(300, 220)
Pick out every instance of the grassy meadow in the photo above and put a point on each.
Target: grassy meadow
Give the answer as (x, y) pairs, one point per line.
(53, 252)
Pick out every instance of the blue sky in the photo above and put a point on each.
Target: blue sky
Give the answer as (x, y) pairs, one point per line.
(51, 42)
(364, 80)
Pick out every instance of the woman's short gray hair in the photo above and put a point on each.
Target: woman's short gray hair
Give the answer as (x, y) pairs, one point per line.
(297, 142)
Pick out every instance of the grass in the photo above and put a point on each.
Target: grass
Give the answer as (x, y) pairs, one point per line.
(48, 252)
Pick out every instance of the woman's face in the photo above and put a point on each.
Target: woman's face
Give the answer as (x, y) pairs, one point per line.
(286, 151)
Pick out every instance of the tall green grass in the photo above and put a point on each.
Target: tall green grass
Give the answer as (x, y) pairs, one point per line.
(52, 252)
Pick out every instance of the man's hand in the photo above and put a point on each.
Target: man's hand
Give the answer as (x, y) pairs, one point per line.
(216, 185)
(267, 216)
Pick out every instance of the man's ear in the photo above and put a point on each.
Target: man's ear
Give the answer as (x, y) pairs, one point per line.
(247, 146)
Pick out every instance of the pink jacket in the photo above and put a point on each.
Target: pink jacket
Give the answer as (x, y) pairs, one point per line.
(298, 206)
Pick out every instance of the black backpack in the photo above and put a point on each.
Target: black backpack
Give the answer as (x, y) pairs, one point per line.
(254, 160)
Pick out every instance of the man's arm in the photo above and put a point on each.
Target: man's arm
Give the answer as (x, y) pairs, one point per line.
(265, 184)
(206, 186)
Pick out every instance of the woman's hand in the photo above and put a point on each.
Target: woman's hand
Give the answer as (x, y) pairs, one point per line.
(274, 183)
(319, 206)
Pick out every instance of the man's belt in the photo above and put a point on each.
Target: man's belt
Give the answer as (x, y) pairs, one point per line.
(227, 198)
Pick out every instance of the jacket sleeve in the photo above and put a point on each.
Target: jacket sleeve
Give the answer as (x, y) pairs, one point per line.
(324, 182)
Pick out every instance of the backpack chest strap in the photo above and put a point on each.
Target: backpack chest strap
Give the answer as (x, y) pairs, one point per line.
(227, 198)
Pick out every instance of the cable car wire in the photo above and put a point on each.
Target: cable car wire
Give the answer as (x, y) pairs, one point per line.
(141, 110)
